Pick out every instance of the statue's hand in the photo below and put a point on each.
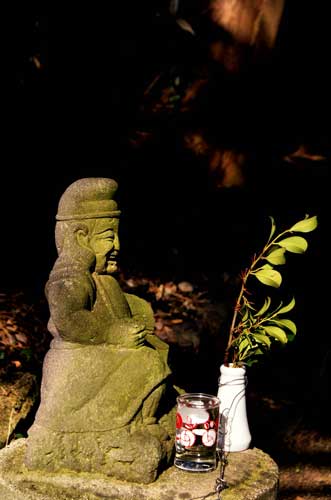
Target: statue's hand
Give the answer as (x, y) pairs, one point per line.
(127, 333)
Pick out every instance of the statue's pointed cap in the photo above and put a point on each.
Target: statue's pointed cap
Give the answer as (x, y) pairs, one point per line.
(88, 198)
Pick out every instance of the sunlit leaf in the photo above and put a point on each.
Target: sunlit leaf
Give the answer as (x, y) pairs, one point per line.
(245, 315)
(273, 227)
(295, 244)
(306, 225)
(250, 352)
(269, 277)
(265, 266)
(242, 355)
(243, 344)
(264, 308)
(276, 257)
(244, 352)
(277, 333)
(287, 323)
(287, 308)
(259, 337)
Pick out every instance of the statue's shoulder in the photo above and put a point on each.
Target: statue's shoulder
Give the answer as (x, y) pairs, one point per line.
(138, 304)
(70, 279)
(106, 280)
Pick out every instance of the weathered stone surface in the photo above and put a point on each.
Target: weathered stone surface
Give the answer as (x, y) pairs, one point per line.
(17, 398)
(107, 400)
(250, 474)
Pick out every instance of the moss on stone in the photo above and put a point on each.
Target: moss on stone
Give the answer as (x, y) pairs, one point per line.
(251, 475)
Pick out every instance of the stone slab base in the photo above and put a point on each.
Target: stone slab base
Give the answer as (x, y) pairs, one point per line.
(250, 474)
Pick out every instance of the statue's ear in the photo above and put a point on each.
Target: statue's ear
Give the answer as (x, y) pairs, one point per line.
(83, 238)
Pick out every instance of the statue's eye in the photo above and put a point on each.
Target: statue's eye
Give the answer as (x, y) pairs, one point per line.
(107, 236)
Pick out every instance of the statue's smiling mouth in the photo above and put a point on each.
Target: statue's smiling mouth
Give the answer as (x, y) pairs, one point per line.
(112, 258)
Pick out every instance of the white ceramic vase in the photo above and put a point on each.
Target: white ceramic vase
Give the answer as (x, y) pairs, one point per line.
(234, 434)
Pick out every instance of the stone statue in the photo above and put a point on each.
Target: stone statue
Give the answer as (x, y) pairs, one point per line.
(107, 403)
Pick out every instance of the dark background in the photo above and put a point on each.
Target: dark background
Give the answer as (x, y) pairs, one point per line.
(80, 125)
(175, 224)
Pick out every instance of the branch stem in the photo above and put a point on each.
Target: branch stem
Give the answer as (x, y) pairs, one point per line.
(238, 304)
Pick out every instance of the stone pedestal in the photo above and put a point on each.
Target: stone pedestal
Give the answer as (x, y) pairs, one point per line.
(250, 474)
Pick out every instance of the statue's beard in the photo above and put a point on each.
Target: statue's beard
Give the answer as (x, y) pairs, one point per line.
(106, 266)
(111, 266)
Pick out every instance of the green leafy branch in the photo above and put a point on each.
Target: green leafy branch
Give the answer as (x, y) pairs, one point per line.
(252, 330)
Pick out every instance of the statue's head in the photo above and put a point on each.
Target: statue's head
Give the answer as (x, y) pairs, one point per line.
(87, 224)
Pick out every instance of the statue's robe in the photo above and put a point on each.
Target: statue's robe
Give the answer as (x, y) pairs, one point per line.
(100, 404)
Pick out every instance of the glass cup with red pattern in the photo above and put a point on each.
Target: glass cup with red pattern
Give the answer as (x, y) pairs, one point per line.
(197, 421)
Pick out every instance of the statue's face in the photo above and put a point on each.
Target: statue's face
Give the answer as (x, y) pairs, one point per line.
(105, 244)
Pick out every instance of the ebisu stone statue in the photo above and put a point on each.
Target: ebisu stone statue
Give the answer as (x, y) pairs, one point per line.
(107, 403)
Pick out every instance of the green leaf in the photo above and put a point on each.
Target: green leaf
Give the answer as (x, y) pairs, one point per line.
(290, 337)
(306, 225)
(287, 323)
(244, 353)
(269, 277)
(261, 338)
(265, 266)
(249, 352)
(244, 318)
(277, 333)
(287, 308)
(248, 304)
(243, 344)
(257, 351)
(276, 257)
(264, 308)
(251, 362)
(244, 314)
(273, 227)
(294, 244)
